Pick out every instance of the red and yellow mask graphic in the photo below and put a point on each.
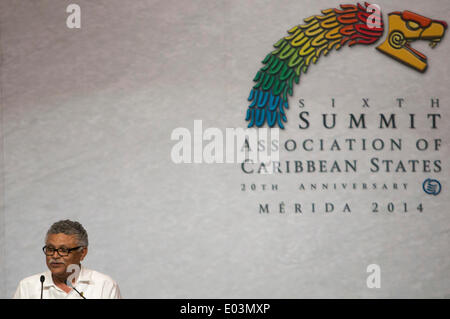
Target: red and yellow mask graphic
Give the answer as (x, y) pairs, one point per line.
(406, 27)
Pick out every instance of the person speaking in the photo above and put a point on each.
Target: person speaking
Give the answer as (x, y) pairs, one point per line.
(66, 245)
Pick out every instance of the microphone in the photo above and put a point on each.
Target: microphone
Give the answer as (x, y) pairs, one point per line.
(68, 283)
(42, 279)
(80, 293)
(69, 280)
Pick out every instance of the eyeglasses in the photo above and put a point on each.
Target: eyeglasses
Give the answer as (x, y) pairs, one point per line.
(63, 252)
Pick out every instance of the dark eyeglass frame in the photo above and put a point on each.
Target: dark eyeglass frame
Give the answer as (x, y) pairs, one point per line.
(58, 250)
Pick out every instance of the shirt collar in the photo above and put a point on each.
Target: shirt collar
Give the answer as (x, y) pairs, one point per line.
(85, 276)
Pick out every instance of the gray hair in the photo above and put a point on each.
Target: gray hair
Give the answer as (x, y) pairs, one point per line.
(69, 227)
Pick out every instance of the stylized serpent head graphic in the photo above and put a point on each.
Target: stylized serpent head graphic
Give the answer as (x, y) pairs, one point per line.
(335, 28)
(405, 27)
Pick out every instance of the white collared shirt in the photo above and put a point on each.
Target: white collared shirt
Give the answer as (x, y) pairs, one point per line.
(90, 283)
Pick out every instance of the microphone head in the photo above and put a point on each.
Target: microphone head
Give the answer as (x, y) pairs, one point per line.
(42, 279)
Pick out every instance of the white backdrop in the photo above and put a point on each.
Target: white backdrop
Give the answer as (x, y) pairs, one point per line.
(87, 117)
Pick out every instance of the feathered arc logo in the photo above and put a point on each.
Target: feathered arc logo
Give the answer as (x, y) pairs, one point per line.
(335, 28)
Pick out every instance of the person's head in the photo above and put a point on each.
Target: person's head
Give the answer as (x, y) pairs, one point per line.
(66, 243)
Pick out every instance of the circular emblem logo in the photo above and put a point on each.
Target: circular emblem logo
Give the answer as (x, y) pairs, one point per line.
(431, 186)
